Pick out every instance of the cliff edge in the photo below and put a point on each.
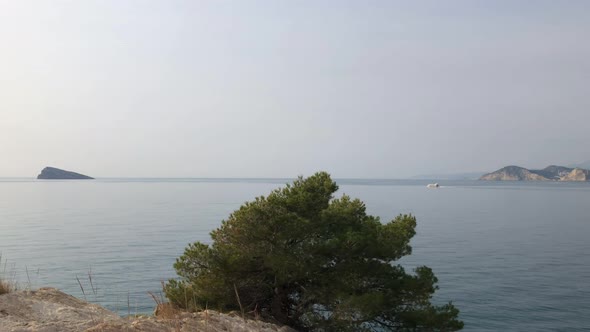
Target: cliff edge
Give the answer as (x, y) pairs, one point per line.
(52, 173)
(48, 309)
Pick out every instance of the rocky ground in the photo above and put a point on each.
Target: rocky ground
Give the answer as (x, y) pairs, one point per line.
(49, 310)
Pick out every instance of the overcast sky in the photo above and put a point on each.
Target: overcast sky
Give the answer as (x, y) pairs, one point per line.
(365, 89)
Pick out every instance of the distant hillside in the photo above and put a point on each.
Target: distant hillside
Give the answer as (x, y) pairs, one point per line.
(555, 173)
(584, 165)
(513, 173)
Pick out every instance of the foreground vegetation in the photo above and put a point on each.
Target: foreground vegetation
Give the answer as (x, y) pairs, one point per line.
(5, 285)
(312, 262)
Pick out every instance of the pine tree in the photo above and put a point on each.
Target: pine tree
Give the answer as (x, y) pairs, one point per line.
(312, 262)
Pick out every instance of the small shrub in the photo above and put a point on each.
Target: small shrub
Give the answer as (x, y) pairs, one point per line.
(5, 287)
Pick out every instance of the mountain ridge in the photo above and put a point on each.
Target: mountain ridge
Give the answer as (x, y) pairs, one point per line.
(549, 173)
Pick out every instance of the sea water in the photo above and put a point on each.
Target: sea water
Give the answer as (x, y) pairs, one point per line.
(512, 256)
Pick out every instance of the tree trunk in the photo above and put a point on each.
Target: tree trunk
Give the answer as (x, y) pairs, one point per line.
(279, 307)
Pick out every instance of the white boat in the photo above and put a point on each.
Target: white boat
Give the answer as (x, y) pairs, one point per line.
(432, 185)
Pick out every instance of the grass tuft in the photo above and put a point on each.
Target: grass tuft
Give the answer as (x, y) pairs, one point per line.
(5, 287)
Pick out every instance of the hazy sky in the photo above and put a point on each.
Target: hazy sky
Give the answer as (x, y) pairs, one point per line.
(367, 89)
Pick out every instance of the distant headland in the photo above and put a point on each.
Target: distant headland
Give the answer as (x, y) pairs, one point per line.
(549, 173)
(52, 173)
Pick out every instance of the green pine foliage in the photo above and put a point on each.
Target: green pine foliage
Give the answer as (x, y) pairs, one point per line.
(314, 262)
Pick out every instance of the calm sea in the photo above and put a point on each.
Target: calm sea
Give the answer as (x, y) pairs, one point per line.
(512, 256)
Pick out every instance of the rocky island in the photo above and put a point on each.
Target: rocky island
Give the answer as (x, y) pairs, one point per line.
(549, 173)
(52, 173)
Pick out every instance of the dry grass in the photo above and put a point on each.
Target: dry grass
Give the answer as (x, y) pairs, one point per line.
(167, 311)
(5, 287)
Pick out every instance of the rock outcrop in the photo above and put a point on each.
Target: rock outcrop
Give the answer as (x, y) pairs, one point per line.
(577, 174)
(52, 173)
(49, 310)
(556, 173)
